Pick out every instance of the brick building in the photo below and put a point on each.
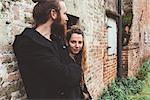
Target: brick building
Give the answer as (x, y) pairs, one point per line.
(100, 21)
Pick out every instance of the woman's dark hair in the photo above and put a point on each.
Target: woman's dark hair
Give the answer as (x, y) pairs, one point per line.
(74, 29)
(42, 9)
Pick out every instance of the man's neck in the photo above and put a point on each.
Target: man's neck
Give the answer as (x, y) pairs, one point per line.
(45, 30)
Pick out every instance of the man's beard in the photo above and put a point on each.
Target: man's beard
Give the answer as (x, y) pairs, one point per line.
(58, 29)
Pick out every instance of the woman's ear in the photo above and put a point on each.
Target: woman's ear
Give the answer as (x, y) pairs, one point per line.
(53, 14)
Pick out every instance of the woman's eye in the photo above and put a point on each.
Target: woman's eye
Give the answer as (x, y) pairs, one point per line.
(73, 41)
(80, 42)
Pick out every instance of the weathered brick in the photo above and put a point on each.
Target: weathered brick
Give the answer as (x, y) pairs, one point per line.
(15, 76)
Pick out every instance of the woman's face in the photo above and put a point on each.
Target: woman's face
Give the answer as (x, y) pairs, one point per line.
(75, 43)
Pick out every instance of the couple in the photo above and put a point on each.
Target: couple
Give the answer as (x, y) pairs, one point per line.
(48, 69)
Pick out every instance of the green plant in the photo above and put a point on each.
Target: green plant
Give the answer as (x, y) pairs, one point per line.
(121, 88)
(105, 95)
(142, 74)
(127, 18)
(146, 66)
(117, 91)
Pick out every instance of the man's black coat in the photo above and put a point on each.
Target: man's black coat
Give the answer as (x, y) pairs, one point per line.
(44, 76)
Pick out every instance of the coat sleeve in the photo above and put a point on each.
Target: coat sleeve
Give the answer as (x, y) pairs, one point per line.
(43, 61)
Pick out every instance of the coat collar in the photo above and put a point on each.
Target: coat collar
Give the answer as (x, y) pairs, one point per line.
(38, 38)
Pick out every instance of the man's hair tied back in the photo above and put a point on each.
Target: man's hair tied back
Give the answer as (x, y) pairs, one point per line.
(39, 1)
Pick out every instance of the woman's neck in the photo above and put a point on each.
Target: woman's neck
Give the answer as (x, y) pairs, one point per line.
(72, 56)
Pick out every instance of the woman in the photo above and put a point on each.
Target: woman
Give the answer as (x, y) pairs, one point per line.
(75, 42)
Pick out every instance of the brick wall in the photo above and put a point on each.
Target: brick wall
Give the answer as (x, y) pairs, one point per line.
(139, 50)
(133, 59)
(147, 29)
(14, 16)
(110, 61)
(125, 61)
(110, 69)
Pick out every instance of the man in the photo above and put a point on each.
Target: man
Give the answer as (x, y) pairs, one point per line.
(75, 43)
(43, 74)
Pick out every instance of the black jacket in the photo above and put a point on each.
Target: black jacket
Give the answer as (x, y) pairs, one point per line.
(43, 74)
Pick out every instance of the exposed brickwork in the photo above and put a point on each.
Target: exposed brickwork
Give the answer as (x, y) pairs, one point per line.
(13, 15)
(138, 49)
(133, 59)
(110, 69)
(125, 61)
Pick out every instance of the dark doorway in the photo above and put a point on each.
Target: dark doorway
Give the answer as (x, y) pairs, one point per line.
(72, 20)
